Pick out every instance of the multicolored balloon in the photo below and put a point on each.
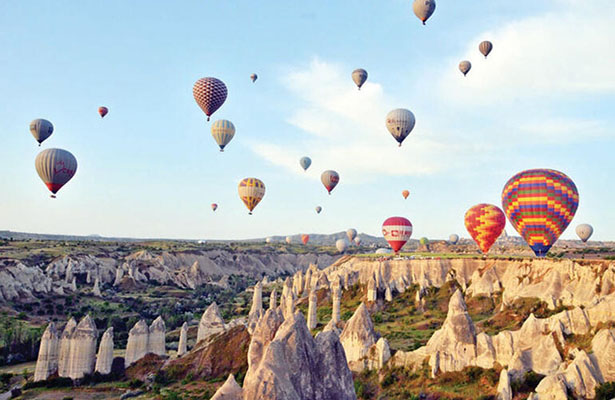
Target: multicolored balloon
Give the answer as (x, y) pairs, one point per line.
(396, 231)
(584, 232)
(289, 240)
(351, 233)
(305, 239)
(465, 67)
(485, 223)
(103, 111)
(223, 132)
(359, 76)
(254, 77)
(400, 123)
(41, 129)
(55, 167)
(453, 238)
(341, 245)
(210, 94)
(540, 204)
(214, 206)
(330, 179)
(305, 162)
(485, 47)
(318, 209)
(423, 9)
(423, 241)
(405, 193)
(357, 241)
(251, 191)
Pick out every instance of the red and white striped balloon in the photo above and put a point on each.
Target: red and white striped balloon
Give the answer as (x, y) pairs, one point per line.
(210, 94)
(397, 231)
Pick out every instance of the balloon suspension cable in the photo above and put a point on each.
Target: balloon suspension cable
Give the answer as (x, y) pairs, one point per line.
(250, 213)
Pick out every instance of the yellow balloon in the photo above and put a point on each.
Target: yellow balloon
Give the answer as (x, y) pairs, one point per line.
(251, 191)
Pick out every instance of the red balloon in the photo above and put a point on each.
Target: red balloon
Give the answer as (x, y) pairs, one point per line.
(103, 111)
(214, 206)
(485, 223)
(305, 238)
(397, 231)
(210, 94)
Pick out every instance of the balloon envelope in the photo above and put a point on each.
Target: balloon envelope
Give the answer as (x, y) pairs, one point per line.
(584, 232)
(424, 241)
(396, 231)
(103, 111)
(485, 48)
(330, 179)
(465, 67)
(351, 233)
(485, 223)
(254, 77)
(318, 209)
(540, 204)
(305, 238)
(41, 129)
(209, 93)
(423, 9)
(357, 241)
(288, 239)
(400, 123)
(55, 167)
(214, 206)
(405, 193)
(222, 131)
(454, 238)
(341, 245)
(305, 162)
(359, 76)
(251, 192)
(269, 240)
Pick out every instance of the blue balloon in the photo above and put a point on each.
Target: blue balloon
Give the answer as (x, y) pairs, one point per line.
(305, 162)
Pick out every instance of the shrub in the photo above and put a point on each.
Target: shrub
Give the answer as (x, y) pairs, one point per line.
(605, 391)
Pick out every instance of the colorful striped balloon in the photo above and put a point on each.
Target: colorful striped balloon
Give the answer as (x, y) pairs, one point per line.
(222, 131)
(397, 231)
(485, 223)
(251, 191)
(540, 204)
(305, 239)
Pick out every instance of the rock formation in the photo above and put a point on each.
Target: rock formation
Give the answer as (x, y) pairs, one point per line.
(287, 302)
(312, 319)
(64, 353)
(378, 354)
(336, 296)
(82, 353)
(47, 362)
(372, 290)
(388, 294)
(138, 343)
(257, 301)
(182, 347)
(229, 391)
(272, 299)
(307, 282)
(156, 342)
(211, 323)
(298, 283)
(504, 390)
(73, 285)
(96, 289)
(104, 359)
(357, 337)
(603, 346)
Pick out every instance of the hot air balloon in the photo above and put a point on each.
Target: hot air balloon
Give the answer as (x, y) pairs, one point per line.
(400, 123)
(351, 233)
(485, 48)
(305, 163)
(454, 238)
(465, 67)
(396, 231)
(254, 77)
(405, 193)
(584, 232)
(330, 179)
(214, 206)
(55, 167)
(269, 240)
(485, 223)
(41, 129)
(359, 76)
(251, 191)
(424, 241)
(540, 203)
(341, 245)
(210, 94)
(103, 111)
(318, 209)
(423, 9)
(305, 238)
(289, 239)
(357, 241)
(222, 132)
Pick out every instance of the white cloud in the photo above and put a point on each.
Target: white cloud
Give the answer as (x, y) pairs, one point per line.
(560, 130)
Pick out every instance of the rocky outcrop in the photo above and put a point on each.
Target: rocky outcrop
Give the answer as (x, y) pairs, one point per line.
(296, 366)
(552, 388)
(603, 346)
(104, 359)
(138, 343)
(230, 390)
(82, 353)
(378, 354)
(336, 296)
(182, 347)
(47, 362)
(357, 338)
(64, 353)
(372, 290)
(20, 282)
(503, 389)
(156, 342)
(257, 301)
(273, 300)
(287, 302)
(96, 289)
(211, 323)
(312, 319)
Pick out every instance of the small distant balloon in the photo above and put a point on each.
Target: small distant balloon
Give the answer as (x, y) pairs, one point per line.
(318, 209)
(41, 129)
(357, 241)
(454, 238)
(351, 233)
(103, 111)
(251, 191)
(223, 132)
(465, 67)
(485, 47)
(55, 167)
(396, 231)
(405, 193)
(305, 162)
(330, 179)
(305, 239)
(424, 241)
(584, 232)
(359, 76)
(214, 206)
(269, 240)
(341, 245)
(289, 240)
(423, 9)
(400, 123)
(209, 93)
(254, 77)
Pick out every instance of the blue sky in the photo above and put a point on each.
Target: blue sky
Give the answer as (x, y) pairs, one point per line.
(544, 98)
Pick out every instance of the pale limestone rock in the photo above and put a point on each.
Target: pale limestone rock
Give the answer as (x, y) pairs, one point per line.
(257, 300)
(603, 346)
(273, 300)
(321, 282)
(312, 320)
(331, 326)
(336, 296)
(73, 285)
(229, 391)
(287, 302)
(82, 354)
(357, 337)
(503, 344)
(307, 282)
(263, 334)
(485, 351)
(182, 347)
(552, 387)
(64, 354)
(211, 323)
(96, 289)
(583, 376)
(47, 362)
(298, 283)
(504, 390)
(157, 333)
(378, 354)
(104, 359)
(138, 343)
(388, 294)
(88, 277)
(119, 274)
(372, 290)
